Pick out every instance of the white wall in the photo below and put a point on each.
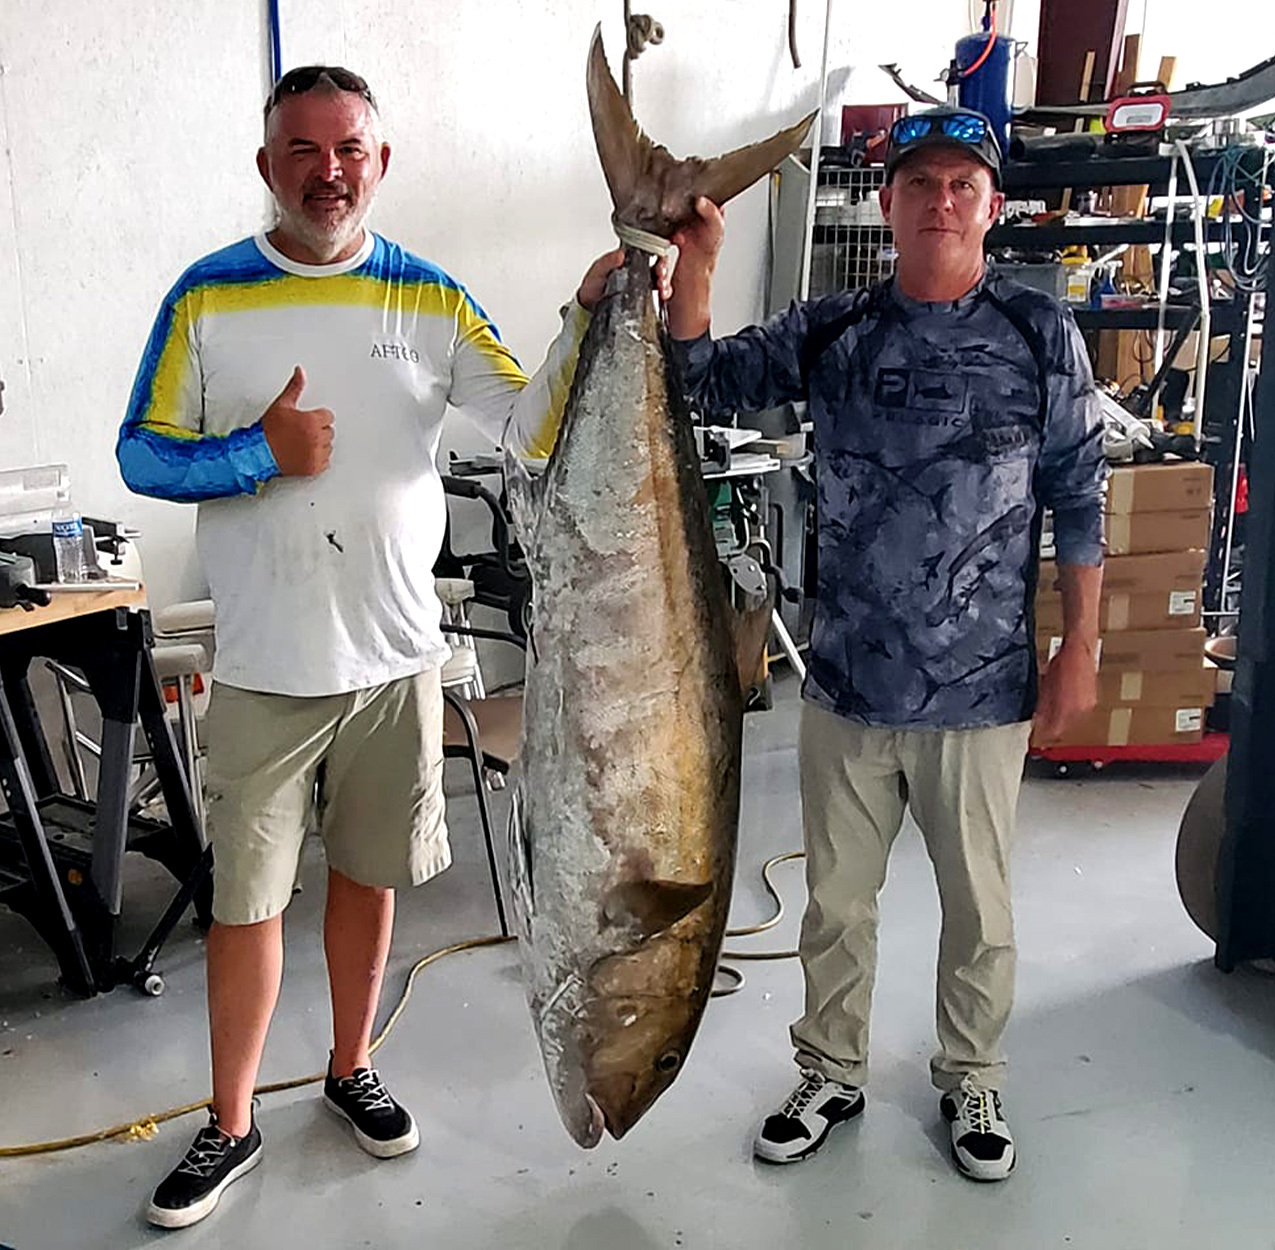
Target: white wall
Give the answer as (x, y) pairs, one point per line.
(128, 131)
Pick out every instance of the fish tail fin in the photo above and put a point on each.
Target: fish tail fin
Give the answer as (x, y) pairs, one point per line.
(652, 189)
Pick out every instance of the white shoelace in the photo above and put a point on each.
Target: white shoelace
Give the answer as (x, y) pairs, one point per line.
(370, 1092)
(979, 1107)
(206, 1152)
(804, 1094)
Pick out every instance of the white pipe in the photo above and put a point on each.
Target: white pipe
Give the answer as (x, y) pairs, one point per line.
(1246, 375)
(816, 141)
(1166, 264)
(1202, 278)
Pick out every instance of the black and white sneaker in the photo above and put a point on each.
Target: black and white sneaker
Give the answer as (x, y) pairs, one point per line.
(381, 1126)
(194, 1187)
(982, 1147)
(803, 1123)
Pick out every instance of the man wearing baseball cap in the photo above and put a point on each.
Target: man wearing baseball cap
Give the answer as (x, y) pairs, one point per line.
(951, 406)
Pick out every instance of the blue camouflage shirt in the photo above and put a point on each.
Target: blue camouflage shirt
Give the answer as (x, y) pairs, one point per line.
(941, 431)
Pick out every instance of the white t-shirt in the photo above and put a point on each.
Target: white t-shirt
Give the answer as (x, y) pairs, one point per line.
(324, 584)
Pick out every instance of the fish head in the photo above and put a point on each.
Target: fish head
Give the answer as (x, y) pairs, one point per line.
(641, 1015)
(610, 1055)
(640, 1045)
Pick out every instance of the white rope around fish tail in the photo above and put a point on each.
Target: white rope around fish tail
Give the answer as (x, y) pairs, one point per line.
(644, 240)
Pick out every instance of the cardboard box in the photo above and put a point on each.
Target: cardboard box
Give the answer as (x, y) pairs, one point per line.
(1136, 726)
(1182, 687)
(1140, 575)
(1141, 650)
(1122, 354)
(1174, 486)
(1145, 532)
(1169, 609)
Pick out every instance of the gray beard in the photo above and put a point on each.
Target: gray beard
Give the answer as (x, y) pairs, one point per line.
(327, 243)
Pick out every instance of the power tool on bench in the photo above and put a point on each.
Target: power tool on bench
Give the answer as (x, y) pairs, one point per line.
(17, 583)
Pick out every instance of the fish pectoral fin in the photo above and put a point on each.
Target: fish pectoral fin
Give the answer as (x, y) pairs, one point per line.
(752, 633)
(650, 907)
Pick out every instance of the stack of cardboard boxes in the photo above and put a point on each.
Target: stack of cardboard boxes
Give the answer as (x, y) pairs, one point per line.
(1154, 684)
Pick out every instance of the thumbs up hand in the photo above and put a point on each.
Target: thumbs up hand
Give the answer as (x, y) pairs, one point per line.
(300, 438)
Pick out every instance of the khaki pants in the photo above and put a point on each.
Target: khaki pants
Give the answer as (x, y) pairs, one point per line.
(962, 786)
(381, 810)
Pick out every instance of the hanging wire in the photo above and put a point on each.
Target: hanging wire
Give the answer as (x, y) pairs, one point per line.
(1245, 233)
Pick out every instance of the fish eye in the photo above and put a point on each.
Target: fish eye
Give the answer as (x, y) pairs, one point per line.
(670, 1061)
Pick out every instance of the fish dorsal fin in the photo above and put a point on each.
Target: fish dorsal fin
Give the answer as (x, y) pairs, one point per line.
(650, 188)
(651, 906)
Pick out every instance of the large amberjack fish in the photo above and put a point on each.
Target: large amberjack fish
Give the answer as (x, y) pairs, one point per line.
(624, 823)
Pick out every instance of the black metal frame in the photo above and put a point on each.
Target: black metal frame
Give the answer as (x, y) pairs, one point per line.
(1246, 862)
(1229, 319)
(501, 578)
(61, 859)
(479, 759)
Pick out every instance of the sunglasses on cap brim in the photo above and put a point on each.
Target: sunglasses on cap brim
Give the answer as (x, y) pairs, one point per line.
(963, 127)
(300, 81)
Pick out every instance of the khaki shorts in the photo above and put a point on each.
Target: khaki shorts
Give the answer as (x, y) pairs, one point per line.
(380, 792)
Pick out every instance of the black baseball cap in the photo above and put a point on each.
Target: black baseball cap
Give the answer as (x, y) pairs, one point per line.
(947, 126)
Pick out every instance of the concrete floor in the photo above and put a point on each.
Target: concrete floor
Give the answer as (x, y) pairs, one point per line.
(1141, 1096)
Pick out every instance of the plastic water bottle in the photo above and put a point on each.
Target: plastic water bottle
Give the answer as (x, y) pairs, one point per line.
(68, 546)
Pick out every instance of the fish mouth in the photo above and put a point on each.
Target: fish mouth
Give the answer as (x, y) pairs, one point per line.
(589, 1135)
(622, 1103)
(617, 1125)
(581, 1116)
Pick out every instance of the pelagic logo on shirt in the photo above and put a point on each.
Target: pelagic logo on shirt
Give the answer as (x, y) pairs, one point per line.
(395, 351)
(921, 397)
(948, 401)
(921, 388)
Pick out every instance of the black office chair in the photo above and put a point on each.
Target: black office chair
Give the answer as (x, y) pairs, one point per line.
(487, 732)
(500, 576)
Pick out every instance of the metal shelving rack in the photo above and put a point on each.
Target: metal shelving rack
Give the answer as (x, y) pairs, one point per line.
(1224, 414)
(853, 246)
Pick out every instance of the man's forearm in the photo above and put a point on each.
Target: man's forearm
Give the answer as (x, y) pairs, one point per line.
(1081, 588)
(689, 308)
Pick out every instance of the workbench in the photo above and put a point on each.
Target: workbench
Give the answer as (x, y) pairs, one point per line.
(61, 857)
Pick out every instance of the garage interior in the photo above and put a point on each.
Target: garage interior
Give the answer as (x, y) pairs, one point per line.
(1141, 1043)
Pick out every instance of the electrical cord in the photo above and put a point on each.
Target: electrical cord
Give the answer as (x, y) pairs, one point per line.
(148, 1126)
(1242, 242)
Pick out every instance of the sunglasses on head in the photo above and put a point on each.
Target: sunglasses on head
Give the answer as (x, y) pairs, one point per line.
(965, 127)
(306, 78)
